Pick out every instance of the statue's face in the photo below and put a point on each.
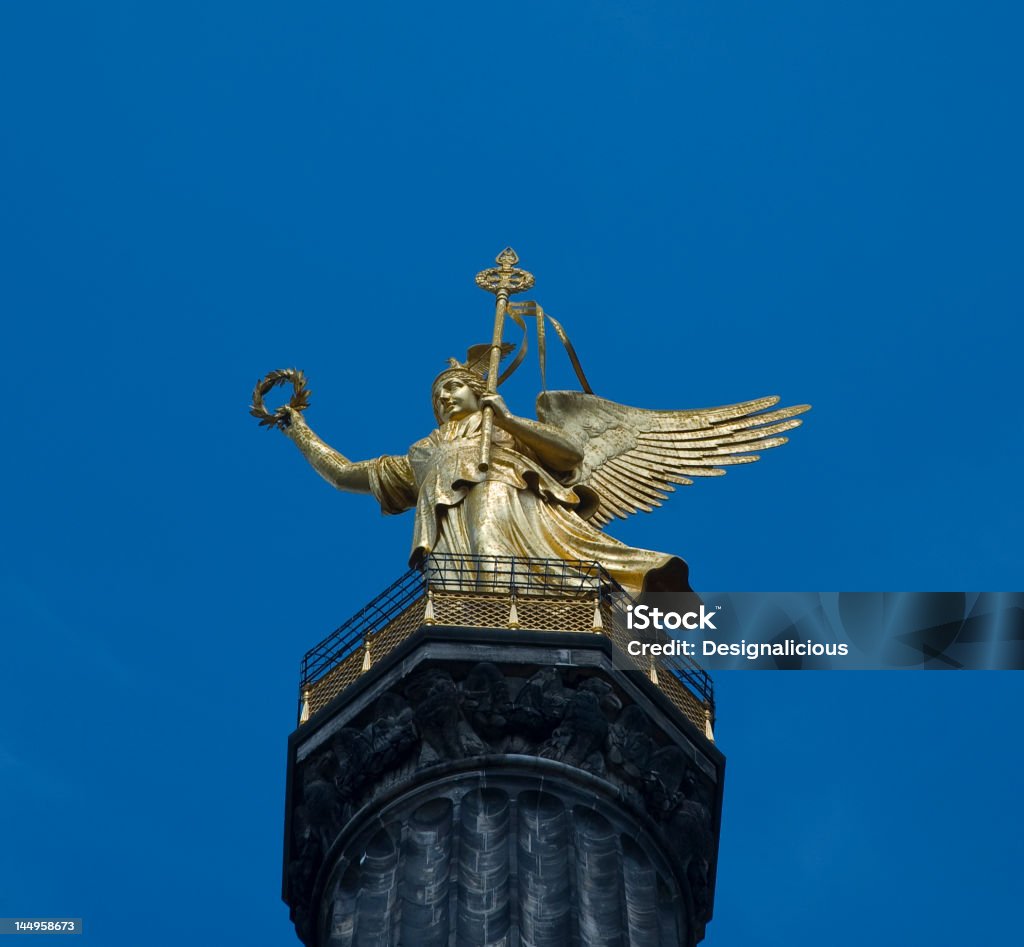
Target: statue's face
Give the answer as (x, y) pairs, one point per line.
(456, 400)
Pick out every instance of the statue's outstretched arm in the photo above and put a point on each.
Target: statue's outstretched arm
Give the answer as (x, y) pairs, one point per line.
(335, 468)
(550, 444)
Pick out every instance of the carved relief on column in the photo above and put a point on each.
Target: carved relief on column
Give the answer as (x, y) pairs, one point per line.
(488, 867)
(486, 808)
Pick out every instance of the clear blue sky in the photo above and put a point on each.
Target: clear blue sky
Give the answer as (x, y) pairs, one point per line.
(719, 201)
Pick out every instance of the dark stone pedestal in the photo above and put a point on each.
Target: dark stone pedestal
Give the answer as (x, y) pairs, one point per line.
(488, 787)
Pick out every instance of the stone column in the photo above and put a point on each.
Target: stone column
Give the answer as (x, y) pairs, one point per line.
(494, 789)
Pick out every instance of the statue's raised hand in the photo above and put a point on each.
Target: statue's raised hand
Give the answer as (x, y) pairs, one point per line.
(290, 418)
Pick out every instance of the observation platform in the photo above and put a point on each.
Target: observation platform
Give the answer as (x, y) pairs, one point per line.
(495, 593)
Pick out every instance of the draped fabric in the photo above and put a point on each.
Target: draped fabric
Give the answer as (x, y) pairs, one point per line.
(515, 508)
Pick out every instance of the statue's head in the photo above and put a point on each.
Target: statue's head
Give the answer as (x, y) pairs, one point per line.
(456, 392)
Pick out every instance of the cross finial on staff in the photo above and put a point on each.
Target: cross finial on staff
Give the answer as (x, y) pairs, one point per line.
(504, 280)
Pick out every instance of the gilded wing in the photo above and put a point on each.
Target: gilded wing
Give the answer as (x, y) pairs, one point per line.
(632, 456)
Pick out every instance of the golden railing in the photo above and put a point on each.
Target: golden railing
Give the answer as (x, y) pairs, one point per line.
(495, 592)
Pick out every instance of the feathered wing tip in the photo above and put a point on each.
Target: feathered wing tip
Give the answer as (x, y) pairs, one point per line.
(632, 457)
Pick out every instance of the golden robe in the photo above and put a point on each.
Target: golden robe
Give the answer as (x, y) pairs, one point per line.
(516, 508)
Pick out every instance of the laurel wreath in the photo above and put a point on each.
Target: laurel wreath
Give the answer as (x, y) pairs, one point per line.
(299, 400)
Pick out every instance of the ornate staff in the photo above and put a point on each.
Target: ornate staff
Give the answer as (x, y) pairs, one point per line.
(504, 280)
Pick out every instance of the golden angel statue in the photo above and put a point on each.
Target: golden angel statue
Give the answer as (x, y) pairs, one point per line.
(548, 486)
(551, 484)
